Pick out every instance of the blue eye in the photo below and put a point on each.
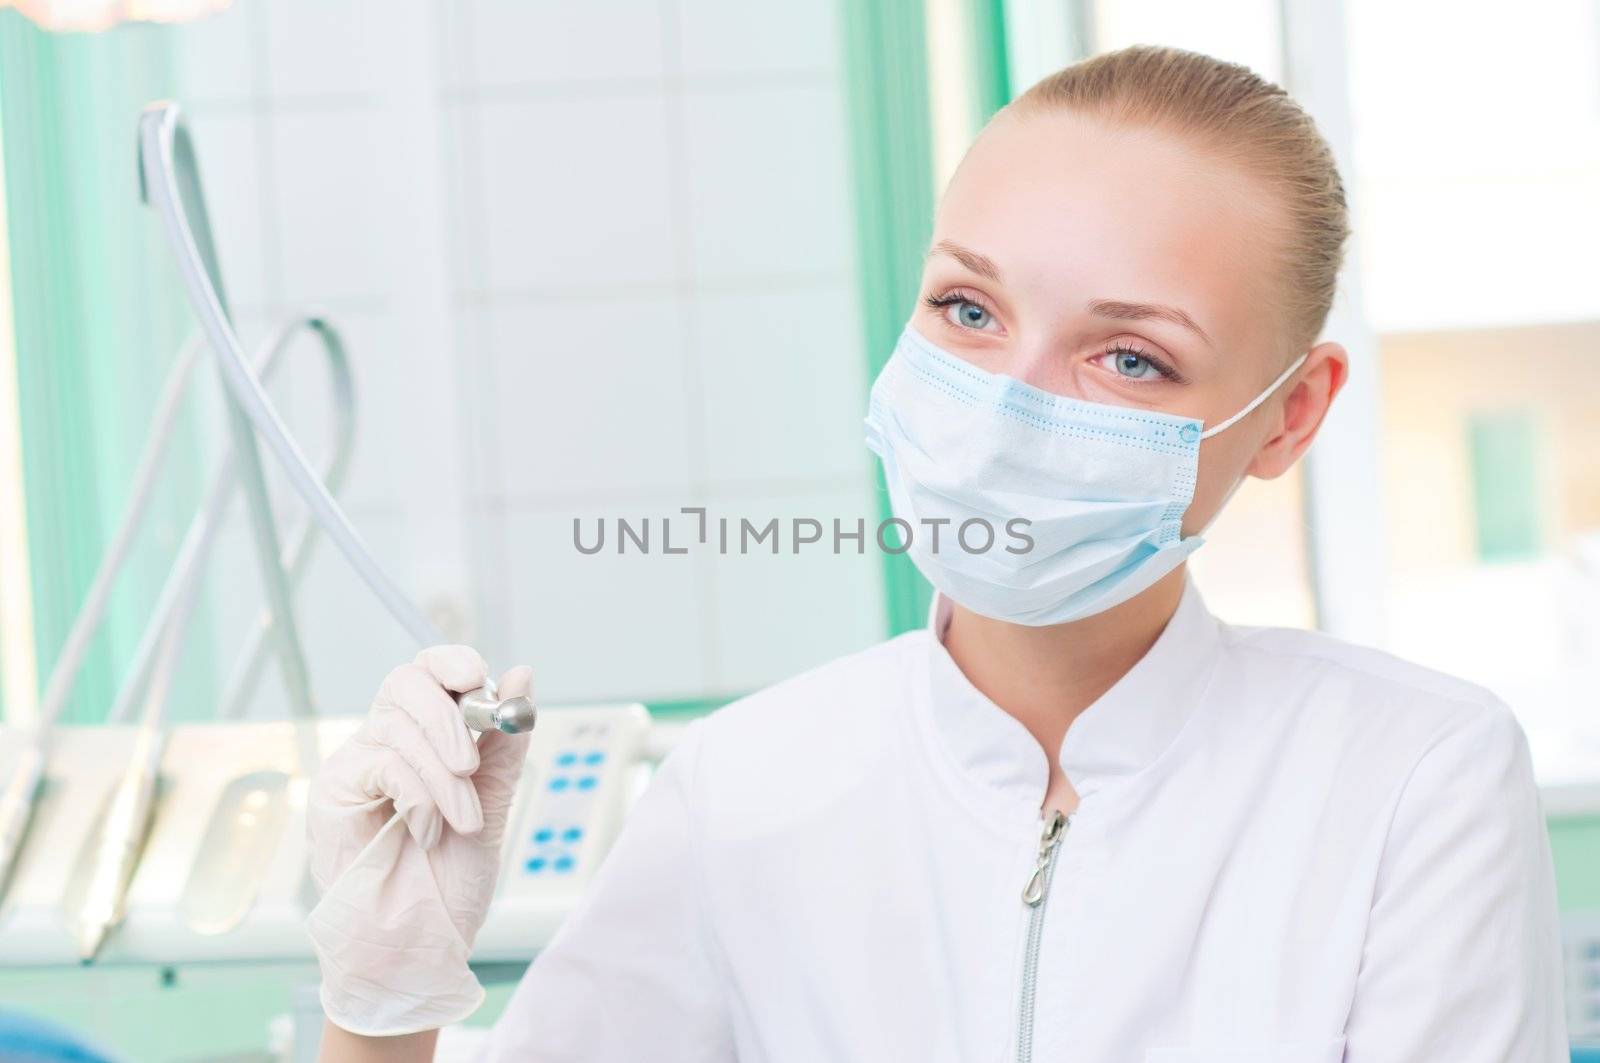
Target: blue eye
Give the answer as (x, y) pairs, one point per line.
(1132, 364)
(970, 315)
(1136, 366)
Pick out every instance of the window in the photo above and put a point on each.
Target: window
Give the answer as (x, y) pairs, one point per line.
(1478, 221)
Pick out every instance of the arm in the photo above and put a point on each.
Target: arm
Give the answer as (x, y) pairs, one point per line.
(1463, 953)
(342, 1046)
(635, 972)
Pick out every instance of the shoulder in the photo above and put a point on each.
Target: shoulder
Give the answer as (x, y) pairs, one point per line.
(804, 742)
(1370, 680)
(1379, 708)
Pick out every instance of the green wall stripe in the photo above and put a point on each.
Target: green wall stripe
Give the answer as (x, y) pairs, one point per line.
(993, 62)
(891, 153)
(98, 317)
(688, 708)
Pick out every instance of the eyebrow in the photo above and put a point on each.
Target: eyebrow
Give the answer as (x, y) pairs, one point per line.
(982, 265)
(1124, 311)
(1119, 309)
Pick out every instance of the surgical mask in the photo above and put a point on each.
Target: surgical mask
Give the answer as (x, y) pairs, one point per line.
(1102, 489)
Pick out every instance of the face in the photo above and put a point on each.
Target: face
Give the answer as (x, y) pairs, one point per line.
(1121, 267)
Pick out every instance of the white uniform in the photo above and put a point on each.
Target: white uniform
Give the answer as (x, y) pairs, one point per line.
(1288, 850)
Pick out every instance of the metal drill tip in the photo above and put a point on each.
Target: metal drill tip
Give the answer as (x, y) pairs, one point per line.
(515, 716)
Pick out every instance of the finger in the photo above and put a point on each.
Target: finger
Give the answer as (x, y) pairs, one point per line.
(496, 781)
(415, 691)
(452, 794)
(517, 683)
(457, 668)
(501, 757)
(391, 777)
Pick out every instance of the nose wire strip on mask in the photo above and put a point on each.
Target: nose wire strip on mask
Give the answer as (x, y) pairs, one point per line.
(1259, 399)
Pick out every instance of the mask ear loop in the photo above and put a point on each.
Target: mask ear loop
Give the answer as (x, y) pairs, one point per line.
(1235, 419)
(1259, 399)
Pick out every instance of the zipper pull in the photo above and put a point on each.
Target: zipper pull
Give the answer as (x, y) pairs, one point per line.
(1055, 825)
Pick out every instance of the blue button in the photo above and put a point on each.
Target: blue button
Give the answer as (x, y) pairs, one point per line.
(560, 782)
(535, 865)
(572, 834)
(543, 834)
(586, 783)
(594, 757)
(1189, 433)
(562, 864)
(566, 760)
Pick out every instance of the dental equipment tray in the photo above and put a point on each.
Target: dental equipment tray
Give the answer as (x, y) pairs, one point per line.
(223, 872)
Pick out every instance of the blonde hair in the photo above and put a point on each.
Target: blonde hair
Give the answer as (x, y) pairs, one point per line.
(1232, 114)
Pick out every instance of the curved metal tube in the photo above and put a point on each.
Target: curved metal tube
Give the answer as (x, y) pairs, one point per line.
(69, 662)
(17, 796)
(246, 674)
(97, 889)
(183, 182)
(170, 181)
(171, 184)
(183, 579)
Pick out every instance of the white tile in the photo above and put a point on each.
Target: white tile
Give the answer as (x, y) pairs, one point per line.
(204, 400)
(780, 614)
(722, 37)
(392, 417)
(231, 593)
(347, 640)
(540, 42)
(588, 397)
(486, 460)
(333, 48)
(230, 165)
(767, 183)
(576, 192)
(204, 397)
(464, 211)
(338, 204)
(489, 592)
(785, 384)
(455, 50)
(602, 625)
(351, 642)
(215, 56)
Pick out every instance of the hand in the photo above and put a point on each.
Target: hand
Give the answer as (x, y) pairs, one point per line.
(402, 903)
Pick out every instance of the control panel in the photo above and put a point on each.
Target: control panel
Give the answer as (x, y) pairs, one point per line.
(1581, 946)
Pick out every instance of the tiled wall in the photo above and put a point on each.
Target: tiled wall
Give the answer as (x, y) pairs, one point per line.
(593, 260)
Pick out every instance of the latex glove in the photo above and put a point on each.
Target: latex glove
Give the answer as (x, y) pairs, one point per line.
(403, 896)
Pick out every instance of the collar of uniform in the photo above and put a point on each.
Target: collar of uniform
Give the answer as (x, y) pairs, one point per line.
(1121, 733)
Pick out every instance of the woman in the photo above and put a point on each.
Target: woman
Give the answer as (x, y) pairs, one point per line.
(1076, 818)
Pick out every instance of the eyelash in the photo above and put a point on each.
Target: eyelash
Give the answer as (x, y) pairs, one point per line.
(1162, 369)
(952, 298)
(956, 296)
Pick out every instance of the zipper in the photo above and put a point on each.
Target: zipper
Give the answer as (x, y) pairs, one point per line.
(1034, 895)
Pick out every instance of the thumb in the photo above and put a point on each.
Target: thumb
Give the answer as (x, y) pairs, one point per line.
(517, 683)
(500, 756)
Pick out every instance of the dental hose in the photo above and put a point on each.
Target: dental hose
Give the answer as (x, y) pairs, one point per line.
(161, 138)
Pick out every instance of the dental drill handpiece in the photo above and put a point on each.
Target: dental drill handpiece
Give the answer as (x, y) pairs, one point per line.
(482, 711)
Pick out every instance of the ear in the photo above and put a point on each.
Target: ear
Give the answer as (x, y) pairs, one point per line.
(1326, 369)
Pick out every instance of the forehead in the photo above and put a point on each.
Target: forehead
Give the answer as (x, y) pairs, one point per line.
(1072, 209)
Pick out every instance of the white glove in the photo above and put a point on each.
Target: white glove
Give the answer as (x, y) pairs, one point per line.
(403, 895)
